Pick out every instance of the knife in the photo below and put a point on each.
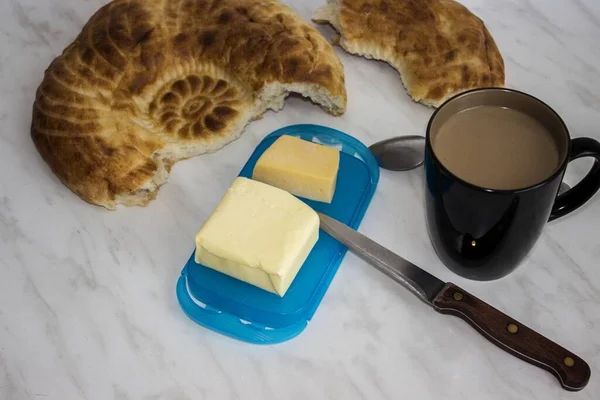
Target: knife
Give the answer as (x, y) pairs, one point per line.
(510, 335)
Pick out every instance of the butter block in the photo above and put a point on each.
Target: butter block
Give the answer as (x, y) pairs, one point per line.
(303, 168)
(258, 234)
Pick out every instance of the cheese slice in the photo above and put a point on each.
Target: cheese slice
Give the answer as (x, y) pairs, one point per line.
(258, 234)
(303, 168)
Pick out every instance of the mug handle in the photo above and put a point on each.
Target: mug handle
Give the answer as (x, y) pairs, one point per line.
(589, 185)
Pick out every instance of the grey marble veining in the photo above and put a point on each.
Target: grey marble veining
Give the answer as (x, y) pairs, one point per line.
(87, 300)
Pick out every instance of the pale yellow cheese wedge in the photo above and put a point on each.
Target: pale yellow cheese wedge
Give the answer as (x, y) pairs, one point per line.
(303, 168)
(259, 234)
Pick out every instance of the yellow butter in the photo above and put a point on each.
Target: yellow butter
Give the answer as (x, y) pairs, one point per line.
(303, 168)
(259, 234)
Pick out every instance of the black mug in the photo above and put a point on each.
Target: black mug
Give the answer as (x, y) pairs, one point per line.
(484, 234)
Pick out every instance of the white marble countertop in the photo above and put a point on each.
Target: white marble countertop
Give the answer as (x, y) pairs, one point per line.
(87, 296)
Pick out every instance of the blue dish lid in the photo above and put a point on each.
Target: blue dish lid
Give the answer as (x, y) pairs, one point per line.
(242, 311)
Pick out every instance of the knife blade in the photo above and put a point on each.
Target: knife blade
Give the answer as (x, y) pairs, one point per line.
(510, 335)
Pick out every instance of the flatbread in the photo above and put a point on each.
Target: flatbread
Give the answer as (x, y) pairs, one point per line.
(150, 82)
(439, 47)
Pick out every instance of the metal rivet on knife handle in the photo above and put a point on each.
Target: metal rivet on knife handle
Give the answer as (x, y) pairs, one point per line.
(569, 362)
(512, 328)
(458, 296)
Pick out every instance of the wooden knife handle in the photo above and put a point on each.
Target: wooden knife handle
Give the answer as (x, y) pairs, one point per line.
(514, 337)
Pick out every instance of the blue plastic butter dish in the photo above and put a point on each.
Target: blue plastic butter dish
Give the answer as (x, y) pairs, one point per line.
(242, 311)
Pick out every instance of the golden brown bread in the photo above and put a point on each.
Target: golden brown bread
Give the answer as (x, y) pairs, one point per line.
(439, 47)
(150, 82)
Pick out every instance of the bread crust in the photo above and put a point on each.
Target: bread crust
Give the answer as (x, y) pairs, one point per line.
(150, 82)
(439, 47)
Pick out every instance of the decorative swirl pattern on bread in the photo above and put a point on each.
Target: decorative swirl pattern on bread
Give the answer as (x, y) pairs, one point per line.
(195, 105)
(149, 82)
